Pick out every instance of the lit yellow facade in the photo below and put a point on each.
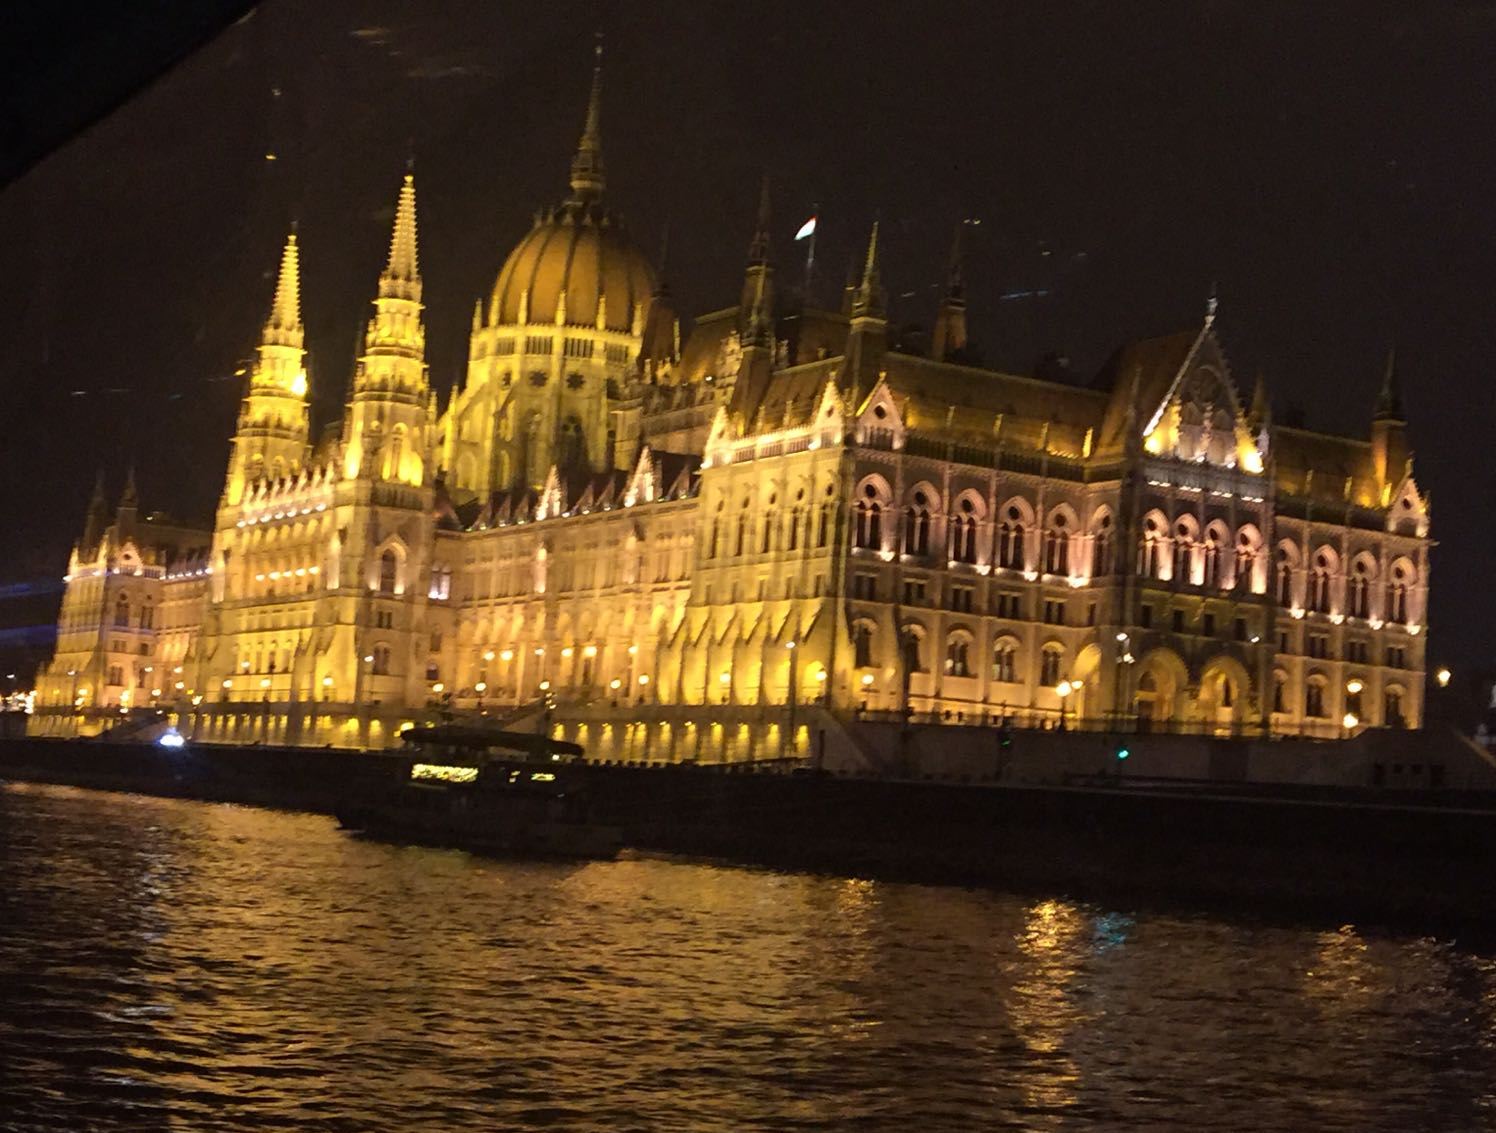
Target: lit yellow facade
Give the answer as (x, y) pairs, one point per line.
(691, 545)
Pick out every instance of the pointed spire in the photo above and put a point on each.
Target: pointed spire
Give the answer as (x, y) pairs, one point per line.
(130, 498)
(1261, 412)
(949, 335)
(587, 180)
(283, 327)
(97, 500)
(403, 266)
(1211, 303)
(760, 249)
(1389, 397)
(869, 298)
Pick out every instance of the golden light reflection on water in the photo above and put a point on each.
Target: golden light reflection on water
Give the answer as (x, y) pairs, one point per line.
(169, 964)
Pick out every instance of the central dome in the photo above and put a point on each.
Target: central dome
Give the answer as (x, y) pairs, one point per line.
(581, 251)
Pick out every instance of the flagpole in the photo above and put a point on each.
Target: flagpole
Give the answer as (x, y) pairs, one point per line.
(810, 251)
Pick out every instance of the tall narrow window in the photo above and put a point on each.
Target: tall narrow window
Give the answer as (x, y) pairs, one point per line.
(964, 533)
(1005, 662)
(1010, 540)
(122, 612)
(1057, 547)
(1319, 585)
(389, 568)
(862, 645)
(917, 526)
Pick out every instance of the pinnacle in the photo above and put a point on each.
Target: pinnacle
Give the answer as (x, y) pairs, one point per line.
(759, 249)
(587, 180)
(285, 309)
(403, 264)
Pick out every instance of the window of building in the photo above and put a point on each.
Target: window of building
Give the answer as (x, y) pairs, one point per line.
(1210, 553)
(1208, 624)
(1239, 629)
(433, 670)
(1178, 616)
(1392, 710)
(389, 567)
(122, 612)
(1184, 554)
(1283, 642)
(1008, 605)
(958, 656)
(1358, 651)
(909, 647)
(381, 663)
(1397, 594)
(964, 533)
(1145, 617)
(441, 582)
(1396, 657)
(1283, 578)
(1101, 553)
(1314, 699)
(1010, 535)
(1049, 665)
(869, 518)
(914, 592)
(147, 616)
(1318, 645)
(1280, 692)
(144, 649)
(1150, 552)
(1318, 597)
(1091, 613)
(1057, 547)
(1054, 611)
(384, 619)
(1005, 662)
(917, 525)
(865, 587)
(962, 599)
(1358, 590)
(862, 645)
(116, 675)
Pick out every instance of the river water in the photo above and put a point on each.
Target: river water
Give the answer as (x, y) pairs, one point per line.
(186, 966)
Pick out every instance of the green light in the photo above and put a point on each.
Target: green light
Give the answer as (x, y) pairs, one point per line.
(1123, 753)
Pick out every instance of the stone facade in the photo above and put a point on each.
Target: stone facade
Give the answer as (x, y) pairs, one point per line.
(787, 510)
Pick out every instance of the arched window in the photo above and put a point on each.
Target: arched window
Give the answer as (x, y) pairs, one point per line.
(1151, 560)
(1210, 553)
(917, 525)
(1102, 562)
(1057, 546)
(396, 453)
(147, 616)
(823, 521)
(1050, 665)
(862, 645)
(1005, 661)
(1246, 559)
(771, 517)
(1314, 698)
(742, 539)
(1358, 590)
(1184, 553)
(715, 534)
(869, 534)
(1392, 709)
(381, 664)
(958, 655)
(1283, 578)
(797, 516)
(1397, 593)
(1318, 598)
(964, 533)
(1280, 692)
(441, 582)
(910, 652)
(1010, 535)
(389, 571)
(122, 612)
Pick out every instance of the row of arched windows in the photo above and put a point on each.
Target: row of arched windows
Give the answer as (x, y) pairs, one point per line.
(959, 658)
(1364, 591)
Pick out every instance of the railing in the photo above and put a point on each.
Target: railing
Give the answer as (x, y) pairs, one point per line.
(1049, 720)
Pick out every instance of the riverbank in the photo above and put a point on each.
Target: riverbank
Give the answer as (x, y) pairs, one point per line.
(1414, 859)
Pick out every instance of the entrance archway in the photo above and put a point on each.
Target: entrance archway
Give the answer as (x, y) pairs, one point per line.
(1161, 678)
(1225, 688)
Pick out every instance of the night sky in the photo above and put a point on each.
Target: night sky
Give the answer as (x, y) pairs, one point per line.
(1330, 168)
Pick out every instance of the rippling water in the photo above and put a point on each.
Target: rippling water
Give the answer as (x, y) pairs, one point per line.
(199, 967)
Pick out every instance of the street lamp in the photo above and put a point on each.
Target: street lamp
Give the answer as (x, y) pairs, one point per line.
(1442, 676)
(1064, 689)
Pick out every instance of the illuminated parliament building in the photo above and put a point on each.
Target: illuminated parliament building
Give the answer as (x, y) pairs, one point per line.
(700, 545)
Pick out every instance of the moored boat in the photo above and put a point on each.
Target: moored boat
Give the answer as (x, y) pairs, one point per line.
(488, 791)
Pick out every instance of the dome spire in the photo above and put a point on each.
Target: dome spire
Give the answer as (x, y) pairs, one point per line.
(587, 181)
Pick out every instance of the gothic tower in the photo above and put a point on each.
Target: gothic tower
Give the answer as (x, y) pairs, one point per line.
(388, 426)
(271, 439)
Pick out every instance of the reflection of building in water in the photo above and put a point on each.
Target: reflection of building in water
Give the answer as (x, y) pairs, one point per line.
(606, 511)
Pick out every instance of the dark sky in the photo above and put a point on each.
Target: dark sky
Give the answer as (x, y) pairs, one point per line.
(1330, 167)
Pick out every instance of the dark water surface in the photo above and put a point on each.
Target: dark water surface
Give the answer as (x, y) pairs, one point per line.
(185, 966)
